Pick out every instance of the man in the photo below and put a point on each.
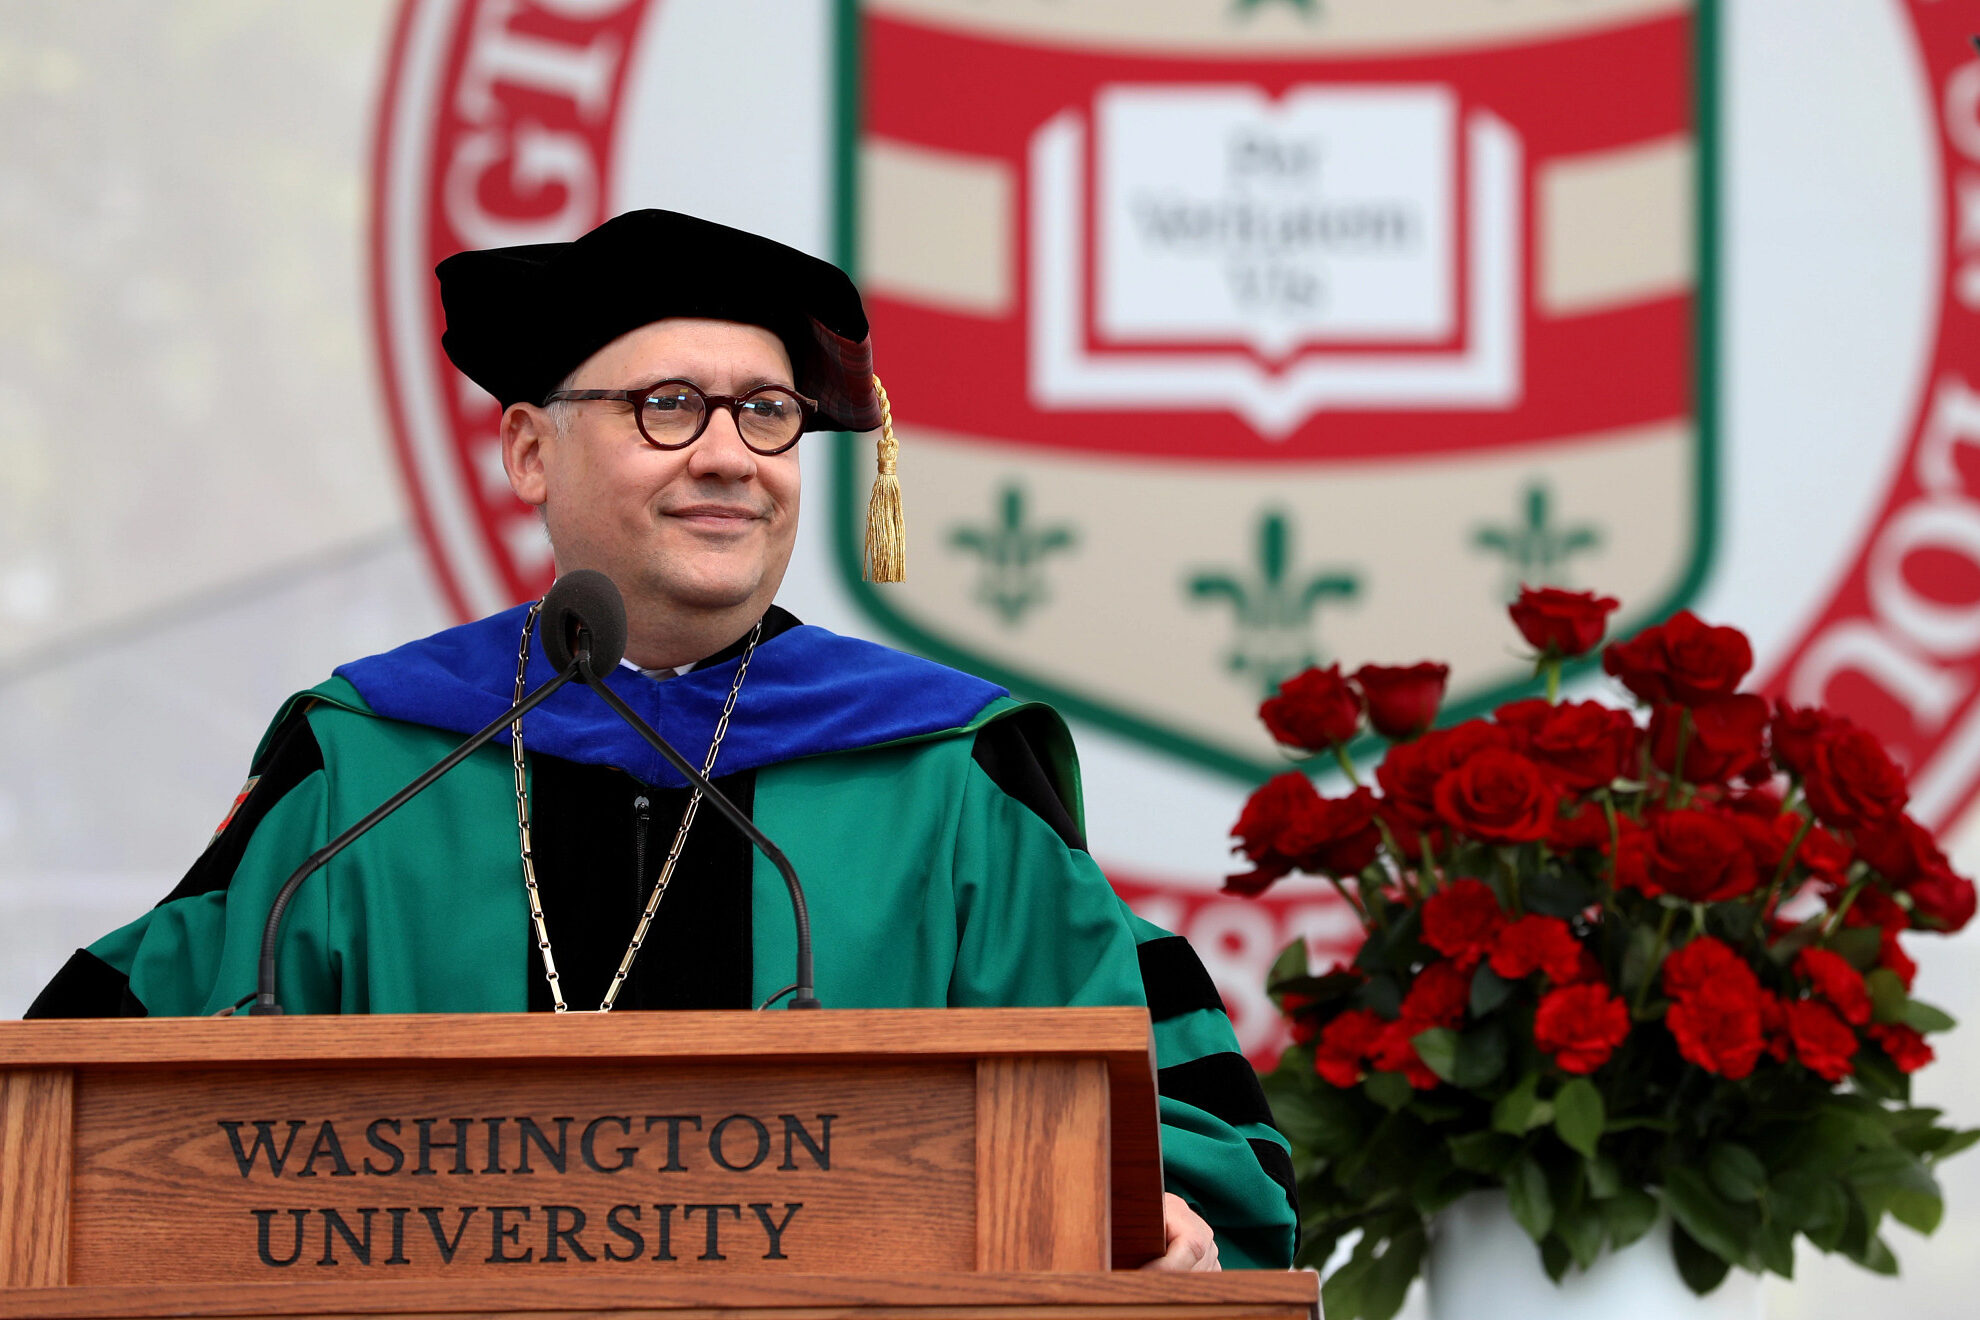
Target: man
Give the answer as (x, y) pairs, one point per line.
(656, 376)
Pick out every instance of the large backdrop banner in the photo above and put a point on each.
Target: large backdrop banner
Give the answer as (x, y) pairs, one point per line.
(1224, 338)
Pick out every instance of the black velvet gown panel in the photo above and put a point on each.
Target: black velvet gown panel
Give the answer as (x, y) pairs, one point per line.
(603, 837)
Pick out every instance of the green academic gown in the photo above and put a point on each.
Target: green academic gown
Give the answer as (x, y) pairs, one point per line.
(930, 881)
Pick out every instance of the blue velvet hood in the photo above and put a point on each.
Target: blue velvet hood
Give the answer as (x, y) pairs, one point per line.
(808, 692)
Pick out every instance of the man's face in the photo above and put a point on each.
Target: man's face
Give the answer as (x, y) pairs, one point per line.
(708, 527)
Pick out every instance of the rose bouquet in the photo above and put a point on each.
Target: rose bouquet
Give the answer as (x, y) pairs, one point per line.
(1618, 964)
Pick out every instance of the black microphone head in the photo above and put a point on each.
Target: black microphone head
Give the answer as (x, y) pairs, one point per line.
(584, 611)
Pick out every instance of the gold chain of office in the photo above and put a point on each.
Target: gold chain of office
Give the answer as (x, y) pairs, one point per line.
(542, 930)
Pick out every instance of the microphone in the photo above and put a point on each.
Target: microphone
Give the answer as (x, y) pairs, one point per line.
(589, 622)
(602, 599)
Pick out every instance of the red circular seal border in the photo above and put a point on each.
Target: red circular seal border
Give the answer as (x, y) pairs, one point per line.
(496, 125)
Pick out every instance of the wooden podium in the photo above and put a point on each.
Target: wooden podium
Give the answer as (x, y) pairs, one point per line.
(990, 1163)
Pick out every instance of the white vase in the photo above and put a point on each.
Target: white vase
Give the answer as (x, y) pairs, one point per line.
(1483, 1266)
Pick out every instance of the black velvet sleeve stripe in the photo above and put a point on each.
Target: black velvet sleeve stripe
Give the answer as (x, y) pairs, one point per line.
(1278, 1167)
(86, 987)
(292, 756)
(1174, 980)
(1222, 1085)
(1008, 751)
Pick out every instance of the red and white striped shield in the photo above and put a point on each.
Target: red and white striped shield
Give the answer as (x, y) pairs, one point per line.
(1229, 338)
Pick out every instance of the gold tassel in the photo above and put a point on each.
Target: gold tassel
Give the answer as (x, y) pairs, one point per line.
(886, 526)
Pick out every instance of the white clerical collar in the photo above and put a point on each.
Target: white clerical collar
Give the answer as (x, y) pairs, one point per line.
(655, 674)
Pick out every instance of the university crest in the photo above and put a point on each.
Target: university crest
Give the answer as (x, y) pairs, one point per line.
(1229, 338)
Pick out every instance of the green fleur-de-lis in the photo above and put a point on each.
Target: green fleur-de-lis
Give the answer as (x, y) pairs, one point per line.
(1012, 550)
(1535, 550)
(1272, 607)
(1306, 8)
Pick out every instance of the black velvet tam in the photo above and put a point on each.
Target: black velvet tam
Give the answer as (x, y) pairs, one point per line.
(520, 319)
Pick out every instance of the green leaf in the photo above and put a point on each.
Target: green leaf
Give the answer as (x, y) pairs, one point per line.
(1483, 1152)
(1955, 1143)
(1877, 1257)
(1774, 1245)
(1342, 1293)
(1701, 1269)
(1918, 1211)
(1387, 1089)
(1389, 1280)
(1826, 1218)
(1438, 1048)
(1637, 966)
(1291, 963)
(1313, 1115)
(1488, 990)
(1736, 1171)
(1381, 996)
(1526, 1192)
(1555, 1257)
(1861, 945)
(1555, 892)
(1923, 1017)
(1627, 1215)
(1702, 1213)
(1514, 1113)
(1887, 997)
(1579, 1115)
(1583, 1235)
(1877, 1077)
(1481, 1056)
(1898, 1181)
(1604, 1177)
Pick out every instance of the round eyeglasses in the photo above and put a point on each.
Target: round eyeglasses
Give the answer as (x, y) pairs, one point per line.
(674, 413)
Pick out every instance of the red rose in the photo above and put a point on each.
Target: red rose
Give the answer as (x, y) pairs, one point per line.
(1899, 849)
(1774, 1027)
(1395, 1052)
(1831, 977)
(1584, 745)
(1498, 796)
(1718, 1024)
(1700, 963)
(1699, 856)
(1437, 998)
(1942, 899)
(1726, 738)
(1314, 710)
(1333, 836)
(1587, 826)
(1822, 1041)
(1299, 1023)
(1409, 771)
(1795, 731)
(1561, 624)
(1345, 1044)
(1826, 857)
(1906, 1047)
(1402, 701)
(1277, 811)
(1891, 954)
(1462, 921)
(1538, 944)
(1873, 907)
(1682, 660)
(1852, 782)
(1581, 1026)
(1520, 719)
